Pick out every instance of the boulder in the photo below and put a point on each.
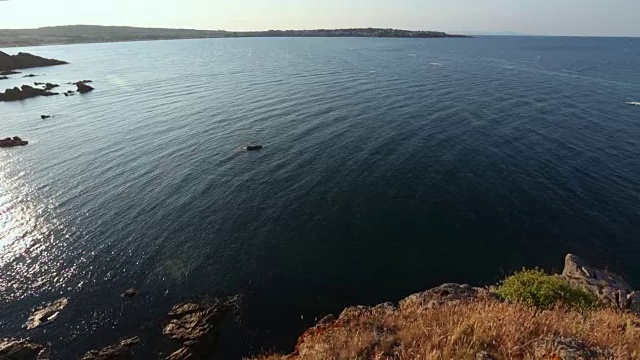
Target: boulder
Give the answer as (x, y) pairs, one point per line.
(121, 351)
(608, 287)
(24, 92)
(46, 313)
(197, 326)
(20, 349)
(24, 61)
(83, 88)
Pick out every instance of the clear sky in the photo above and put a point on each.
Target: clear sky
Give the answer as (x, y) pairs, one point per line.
(545, 17)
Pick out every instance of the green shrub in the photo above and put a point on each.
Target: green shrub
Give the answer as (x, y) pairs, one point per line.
(537, 289)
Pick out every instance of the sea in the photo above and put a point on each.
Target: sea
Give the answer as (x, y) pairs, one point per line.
(388, 166)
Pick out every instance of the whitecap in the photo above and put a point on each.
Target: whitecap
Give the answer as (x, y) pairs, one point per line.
(634, 103)
(435, 64)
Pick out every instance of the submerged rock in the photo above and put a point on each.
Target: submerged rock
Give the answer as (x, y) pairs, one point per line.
(15, 141)
(197, 326)
(20, 349)
(607, 286)
(121, 351)
(46, 313)
(24, 92)
(83, 88)
(25, 61)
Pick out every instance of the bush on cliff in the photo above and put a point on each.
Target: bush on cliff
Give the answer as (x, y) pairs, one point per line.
(537, 289)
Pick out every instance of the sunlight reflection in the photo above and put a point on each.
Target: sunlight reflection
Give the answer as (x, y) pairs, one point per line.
(32, 241)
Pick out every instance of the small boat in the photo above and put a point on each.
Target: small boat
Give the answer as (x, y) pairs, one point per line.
(10, 142)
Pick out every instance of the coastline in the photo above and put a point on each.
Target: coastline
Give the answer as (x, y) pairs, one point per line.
(449, 321)
(76, 34)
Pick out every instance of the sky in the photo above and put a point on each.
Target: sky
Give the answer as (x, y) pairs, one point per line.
(540, 17)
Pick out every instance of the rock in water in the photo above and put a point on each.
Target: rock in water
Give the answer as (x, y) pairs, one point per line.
(4, 77)
(197, 326)
(14, 349)
(9, 72)
(129, 293)
(15, 141)
(46, 313)
(121, 351)
(607, 286)
(25, 61)
(49, 86)
(253, 147)
(30, 75)
(83, 88)
(24, 92)
(45, 116)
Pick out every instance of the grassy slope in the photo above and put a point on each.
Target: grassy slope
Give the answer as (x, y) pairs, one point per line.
(459, 330)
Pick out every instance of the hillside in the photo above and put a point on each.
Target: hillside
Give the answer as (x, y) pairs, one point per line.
(76, 34)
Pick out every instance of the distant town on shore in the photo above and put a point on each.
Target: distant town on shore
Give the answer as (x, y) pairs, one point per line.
(77, 34)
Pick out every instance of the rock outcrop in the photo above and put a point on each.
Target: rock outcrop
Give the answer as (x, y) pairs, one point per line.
(11, 142)
(197, 326)
(20, 349)
(443, 294)
(25, 61)
(609, 287)
(83, 88)
(24, 92)
(46, 313)
(121, 351)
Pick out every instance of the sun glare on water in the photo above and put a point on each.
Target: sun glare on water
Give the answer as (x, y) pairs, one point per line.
(32, 241)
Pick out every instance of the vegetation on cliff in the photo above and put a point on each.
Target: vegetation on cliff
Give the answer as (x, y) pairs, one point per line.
(529, 315)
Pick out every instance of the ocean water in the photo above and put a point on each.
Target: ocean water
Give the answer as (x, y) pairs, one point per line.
(389, 166)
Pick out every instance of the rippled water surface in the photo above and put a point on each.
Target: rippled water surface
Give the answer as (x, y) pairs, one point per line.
(389, 165)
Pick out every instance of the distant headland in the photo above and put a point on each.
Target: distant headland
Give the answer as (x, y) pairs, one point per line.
(78, 34)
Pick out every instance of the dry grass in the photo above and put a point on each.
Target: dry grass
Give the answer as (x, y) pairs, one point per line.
(461, 330)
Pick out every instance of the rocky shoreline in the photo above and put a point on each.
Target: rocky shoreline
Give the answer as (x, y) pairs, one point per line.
(195, 326)
(9, 63)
